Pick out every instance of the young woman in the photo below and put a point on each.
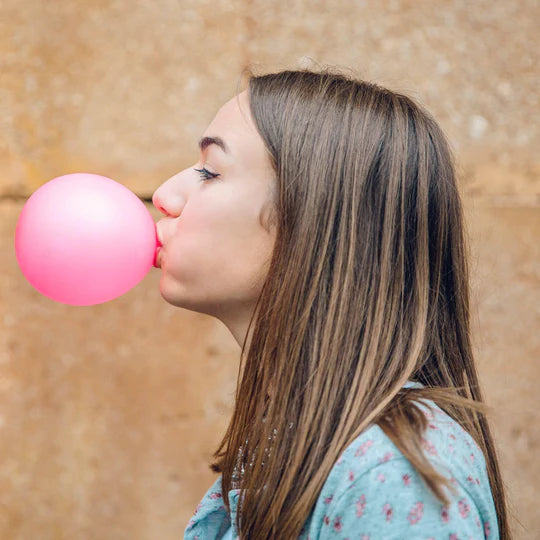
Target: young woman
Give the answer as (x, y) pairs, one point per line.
(322, 225)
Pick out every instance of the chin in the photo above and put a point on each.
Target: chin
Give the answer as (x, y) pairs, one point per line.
(170, 292)
(175, 295)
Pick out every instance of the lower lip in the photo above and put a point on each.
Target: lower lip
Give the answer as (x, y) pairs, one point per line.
(157, 258)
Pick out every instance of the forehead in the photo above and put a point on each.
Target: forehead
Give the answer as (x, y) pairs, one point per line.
(236, 111)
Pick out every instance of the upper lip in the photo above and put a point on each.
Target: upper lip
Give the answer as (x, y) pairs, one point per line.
(159, 235)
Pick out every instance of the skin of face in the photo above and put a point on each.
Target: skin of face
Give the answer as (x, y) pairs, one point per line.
(215, 250)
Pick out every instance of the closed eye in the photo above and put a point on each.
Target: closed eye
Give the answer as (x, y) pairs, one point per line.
(205, 174)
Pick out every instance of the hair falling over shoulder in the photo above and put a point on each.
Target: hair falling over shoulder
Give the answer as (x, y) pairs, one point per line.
(368, 288)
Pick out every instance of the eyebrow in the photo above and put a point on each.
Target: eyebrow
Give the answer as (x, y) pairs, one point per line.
(207, 141)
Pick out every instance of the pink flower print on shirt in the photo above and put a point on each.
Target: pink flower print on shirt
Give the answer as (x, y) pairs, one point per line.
(215, 495)
(387, 457)
(363, 448)
(453, 536)
(487, 529)
(463, 508)
(429, 447)
(337, 524)
(326, 520)
(473, 480)
(416, 513)
(406, 479)
(381, 478)
(360, 506)
(351, 476)
(328, 500)
(387, 511)
(444, 514)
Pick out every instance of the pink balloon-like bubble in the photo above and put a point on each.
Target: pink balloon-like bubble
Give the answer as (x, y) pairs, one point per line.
(84, 239)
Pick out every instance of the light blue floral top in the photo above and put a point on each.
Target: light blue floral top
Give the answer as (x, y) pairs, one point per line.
(373, 492)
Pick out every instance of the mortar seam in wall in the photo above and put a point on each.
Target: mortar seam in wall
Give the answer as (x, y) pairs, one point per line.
(510, 200)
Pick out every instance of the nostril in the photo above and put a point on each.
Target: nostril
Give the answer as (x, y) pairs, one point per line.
(170, 205)
(160, 207)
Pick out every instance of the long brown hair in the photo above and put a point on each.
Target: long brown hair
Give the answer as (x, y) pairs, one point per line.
(367, 288)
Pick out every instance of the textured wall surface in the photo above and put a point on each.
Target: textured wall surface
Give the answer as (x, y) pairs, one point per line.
(109, 414)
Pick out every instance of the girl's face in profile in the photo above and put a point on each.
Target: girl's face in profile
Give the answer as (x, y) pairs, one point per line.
(216, 250)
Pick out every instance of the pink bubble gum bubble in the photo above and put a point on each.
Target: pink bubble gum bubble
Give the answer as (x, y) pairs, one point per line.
(84, 239)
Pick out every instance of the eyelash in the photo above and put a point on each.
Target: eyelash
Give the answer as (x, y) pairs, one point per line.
(206, 174)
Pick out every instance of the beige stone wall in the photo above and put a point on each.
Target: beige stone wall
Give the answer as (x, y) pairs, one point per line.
(109, 414)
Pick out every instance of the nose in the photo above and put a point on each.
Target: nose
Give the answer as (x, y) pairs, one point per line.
(168, 198)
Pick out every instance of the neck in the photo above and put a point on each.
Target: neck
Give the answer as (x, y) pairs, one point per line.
(237, 323)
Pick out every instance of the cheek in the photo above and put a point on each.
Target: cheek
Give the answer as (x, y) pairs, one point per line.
(219, 238)
(224, 213)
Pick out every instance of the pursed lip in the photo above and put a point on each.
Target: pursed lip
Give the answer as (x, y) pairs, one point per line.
(157, 258)
(159, 244)
(159, 234)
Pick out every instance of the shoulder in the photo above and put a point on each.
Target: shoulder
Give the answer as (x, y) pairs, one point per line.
(374, 491)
